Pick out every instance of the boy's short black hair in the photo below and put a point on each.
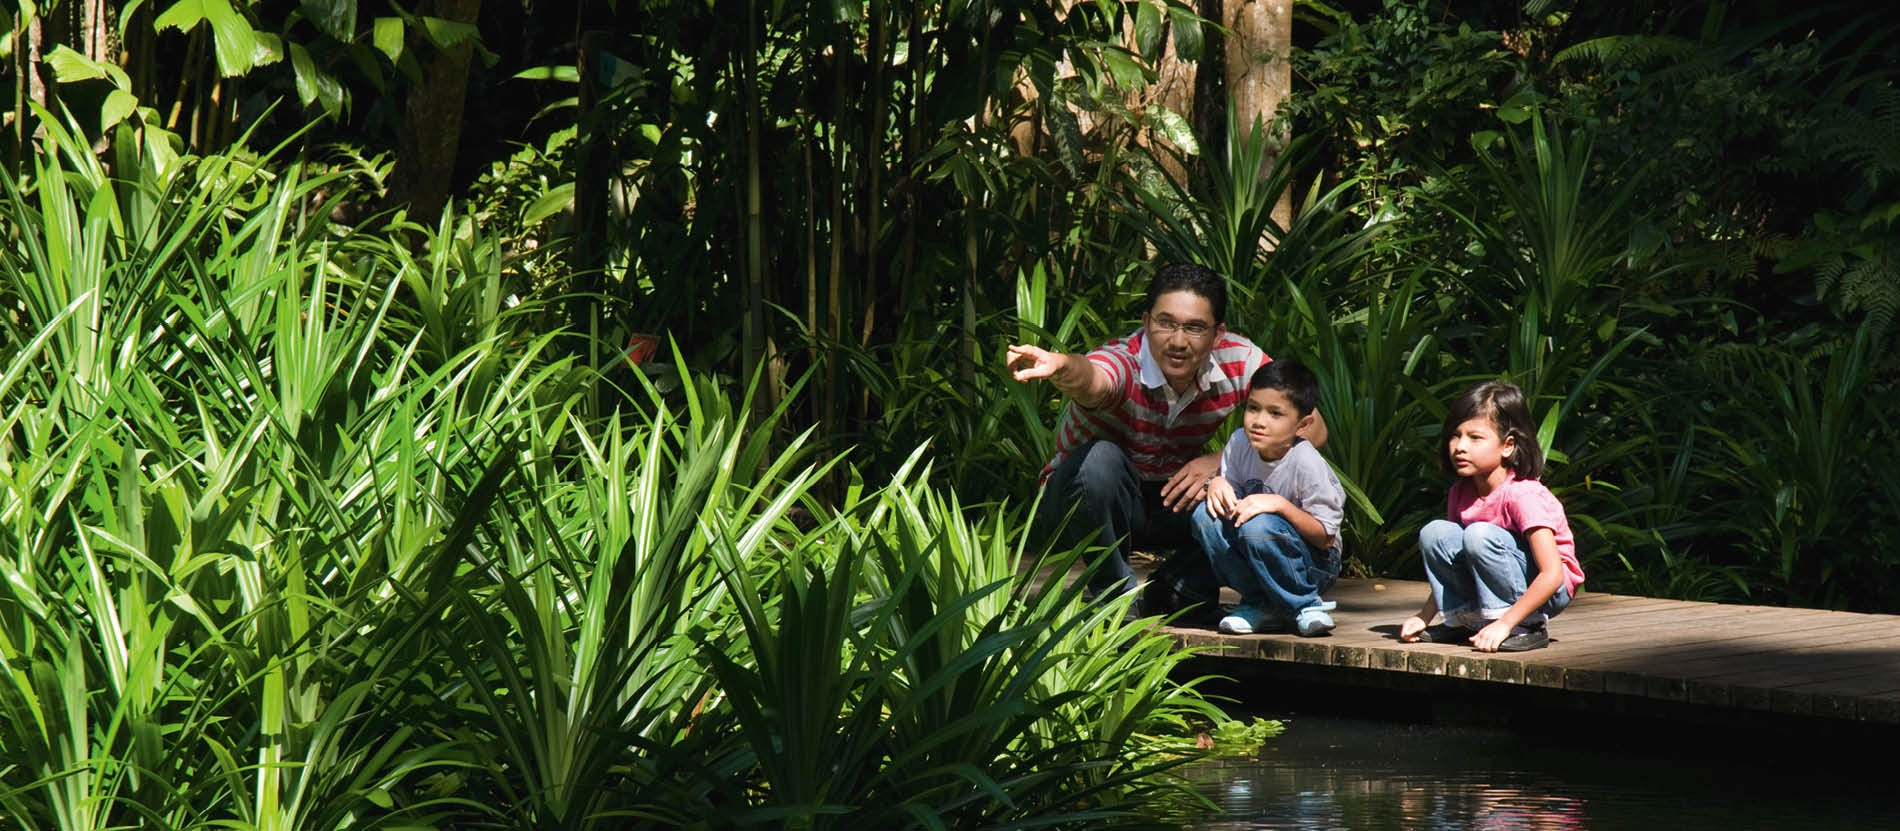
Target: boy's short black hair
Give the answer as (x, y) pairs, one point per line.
(1291, 377)
(1191, 277)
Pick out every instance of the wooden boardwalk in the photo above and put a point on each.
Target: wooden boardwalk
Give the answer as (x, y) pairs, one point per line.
(1798, 662)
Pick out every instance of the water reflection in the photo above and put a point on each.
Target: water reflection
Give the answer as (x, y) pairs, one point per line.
(1290, 795)
(1326, 774)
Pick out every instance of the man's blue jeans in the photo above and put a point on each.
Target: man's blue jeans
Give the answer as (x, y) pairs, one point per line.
(1266, 561)
(1106, 504)
(1477, 571)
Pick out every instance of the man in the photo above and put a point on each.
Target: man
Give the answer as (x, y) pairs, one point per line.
(1132, 457)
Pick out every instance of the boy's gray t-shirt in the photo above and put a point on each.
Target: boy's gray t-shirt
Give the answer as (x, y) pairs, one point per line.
(1302, 476)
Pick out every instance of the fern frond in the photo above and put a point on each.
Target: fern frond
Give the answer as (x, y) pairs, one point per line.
(1632, 51)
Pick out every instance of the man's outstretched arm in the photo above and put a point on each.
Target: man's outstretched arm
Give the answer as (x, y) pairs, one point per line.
(1073, 375)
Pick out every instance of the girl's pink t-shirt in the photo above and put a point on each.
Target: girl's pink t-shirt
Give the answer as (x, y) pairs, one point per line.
(1517, 506)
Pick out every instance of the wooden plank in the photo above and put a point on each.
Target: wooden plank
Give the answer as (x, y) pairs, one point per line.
(1765, 666)
(1826, 674)
(1780, 656)
(1802, 662)
(1725, 633)
(1670, 625)
(1697, 660)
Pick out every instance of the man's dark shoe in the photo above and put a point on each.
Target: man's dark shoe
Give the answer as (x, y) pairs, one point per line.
(1159, 598)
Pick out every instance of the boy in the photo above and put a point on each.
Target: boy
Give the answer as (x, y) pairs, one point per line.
(1270, 525)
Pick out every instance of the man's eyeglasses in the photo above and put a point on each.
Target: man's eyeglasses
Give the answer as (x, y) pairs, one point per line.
(1164, 326)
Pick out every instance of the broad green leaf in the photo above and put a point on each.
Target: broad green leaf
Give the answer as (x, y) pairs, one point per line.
(553, 72)
(337, 18)
(331, 94)
(1127, 72)
(117, 106)
(1148, 30)
(1519, 108)
(1175, 130)
(306, 73)
(445, 33)
(269, 49)
(1190, 42)
(183, 15)
(233, 37)
(70, 66)
(387, 35)
(1066, 133)
(556, 200)
(315, 85)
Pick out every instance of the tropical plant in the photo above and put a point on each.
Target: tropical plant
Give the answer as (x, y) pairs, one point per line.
(1799, 470)
(305, 526)
(1381, 411)
(1224, 220)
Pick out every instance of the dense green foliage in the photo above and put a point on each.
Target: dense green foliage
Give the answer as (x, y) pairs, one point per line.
(316, 514)
(306, 527)
(1670, 226)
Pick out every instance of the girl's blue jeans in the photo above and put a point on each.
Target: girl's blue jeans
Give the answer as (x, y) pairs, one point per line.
(1477, 571)
(1266, 561)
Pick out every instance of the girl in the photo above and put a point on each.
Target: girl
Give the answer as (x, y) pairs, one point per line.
(1503, 561)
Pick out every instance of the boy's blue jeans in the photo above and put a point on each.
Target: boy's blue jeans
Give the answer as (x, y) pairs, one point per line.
(1478, 571)
(1266, 561)
(1112, 507)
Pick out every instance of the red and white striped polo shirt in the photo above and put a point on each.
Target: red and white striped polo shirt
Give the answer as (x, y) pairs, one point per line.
(1160, 432)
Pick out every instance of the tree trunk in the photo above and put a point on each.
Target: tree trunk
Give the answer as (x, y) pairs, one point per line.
(33, 84)
(1245, 70)
(95, 31)
(1258, 74)
(432, 120)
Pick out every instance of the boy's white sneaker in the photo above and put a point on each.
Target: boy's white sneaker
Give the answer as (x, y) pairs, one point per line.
(1313, 620)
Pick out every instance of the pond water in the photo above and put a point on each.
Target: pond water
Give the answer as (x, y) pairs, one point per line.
(1328, 772)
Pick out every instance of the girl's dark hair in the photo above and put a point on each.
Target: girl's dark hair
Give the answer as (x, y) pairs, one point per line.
(1503, 404)
(1191, 277)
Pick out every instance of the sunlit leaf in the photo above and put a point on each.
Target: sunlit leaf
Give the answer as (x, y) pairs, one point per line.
(232, 36)
(556, 72)
(558, 199)
(183, 15)
(305, 71)
(1174, 129)
(1127, 72)
(445, 33)
(118, 105)
(70, 66)
(387, 34)
(270, 49)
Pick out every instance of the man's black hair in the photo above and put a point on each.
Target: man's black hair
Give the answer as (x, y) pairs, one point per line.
(1291, 377)
(1191, 277)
